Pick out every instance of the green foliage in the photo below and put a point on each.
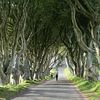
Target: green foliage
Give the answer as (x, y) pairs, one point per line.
(68, 73)
(2, 99)
(53, 72)
(47, 77)
(91, 89)
(33, 81)
(9, 91)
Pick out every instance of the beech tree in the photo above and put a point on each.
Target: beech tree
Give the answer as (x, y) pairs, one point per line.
(32, 33)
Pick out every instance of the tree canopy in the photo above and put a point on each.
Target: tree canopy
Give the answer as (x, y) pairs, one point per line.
(32, 33)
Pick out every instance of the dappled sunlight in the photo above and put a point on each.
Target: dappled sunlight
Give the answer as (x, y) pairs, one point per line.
(50, 42)
(55, 90)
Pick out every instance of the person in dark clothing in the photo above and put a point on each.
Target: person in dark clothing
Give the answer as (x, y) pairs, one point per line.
(56, 76)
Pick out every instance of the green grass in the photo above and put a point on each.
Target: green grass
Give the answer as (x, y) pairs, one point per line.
(2, 99)
(91, 89)
(9, 91)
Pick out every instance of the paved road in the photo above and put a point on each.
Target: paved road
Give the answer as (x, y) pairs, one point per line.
(52, 90)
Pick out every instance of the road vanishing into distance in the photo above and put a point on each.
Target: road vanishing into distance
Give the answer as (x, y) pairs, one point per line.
(53, 90)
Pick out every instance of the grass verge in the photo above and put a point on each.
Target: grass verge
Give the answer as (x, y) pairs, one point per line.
(90, 89)
(9, 91)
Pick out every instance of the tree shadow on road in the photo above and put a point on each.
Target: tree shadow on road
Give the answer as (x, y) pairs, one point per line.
(60, 90)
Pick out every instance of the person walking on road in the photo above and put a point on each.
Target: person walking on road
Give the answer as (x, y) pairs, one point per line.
(57, 76)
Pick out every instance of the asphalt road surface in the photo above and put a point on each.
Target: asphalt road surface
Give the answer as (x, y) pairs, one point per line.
(52, 90)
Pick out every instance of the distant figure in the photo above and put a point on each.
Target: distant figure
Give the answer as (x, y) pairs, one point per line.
(57, 76)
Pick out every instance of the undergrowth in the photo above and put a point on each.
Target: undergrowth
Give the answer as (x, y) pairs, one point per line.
(89, 88)
(9, 91)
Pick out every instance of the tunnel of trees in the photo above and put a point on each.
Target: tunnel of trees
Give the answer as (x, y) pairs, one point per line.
(36, 35)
